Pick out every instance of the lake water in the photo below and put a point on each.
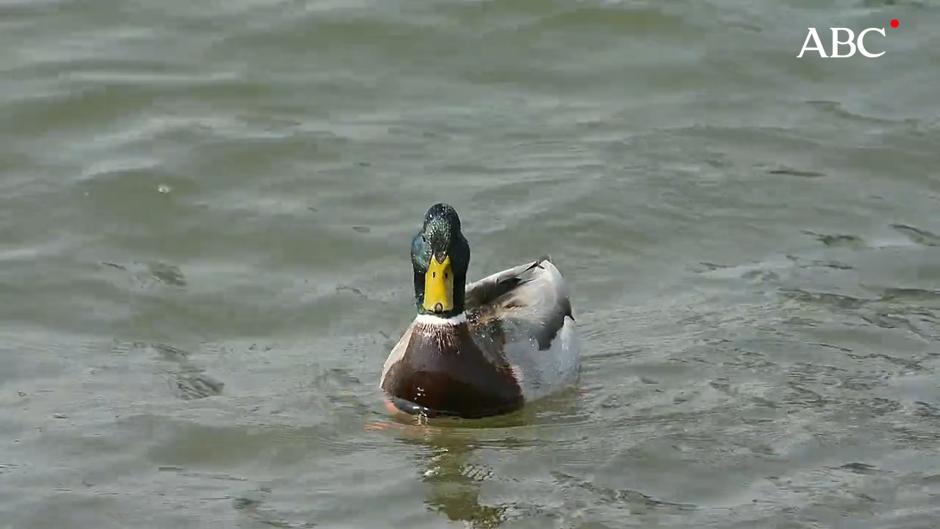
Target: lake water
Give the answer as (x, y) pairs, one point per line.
(205, 217)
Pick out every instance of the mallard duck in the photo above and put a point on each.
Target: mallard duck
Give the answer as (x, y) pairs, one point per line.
(481, 349)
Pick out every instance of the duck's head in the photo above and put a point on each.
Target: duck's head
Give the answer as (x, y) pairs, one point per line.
(440, 256)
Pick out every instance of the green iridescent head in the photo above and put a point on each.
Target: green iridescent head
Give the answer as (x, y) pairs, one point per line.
(440, 256)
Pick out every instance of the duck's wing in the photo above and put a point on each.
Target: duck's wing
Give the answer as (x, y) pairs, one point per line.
(524, 315)
(533, 293)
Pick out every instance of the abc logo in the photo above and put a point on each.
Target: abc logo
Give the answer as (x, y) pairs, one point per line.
(845, 43)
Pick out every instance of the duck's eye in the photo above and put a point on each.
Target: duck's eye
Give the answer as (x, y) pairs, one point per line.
(433, 274)
(446, 275)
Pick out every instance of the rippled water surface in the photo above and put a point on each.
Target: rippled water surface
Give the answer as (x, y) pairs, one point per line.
(205, 213)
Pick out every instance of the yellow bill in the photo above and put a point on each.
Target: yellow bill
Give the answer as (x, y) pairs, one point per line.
(439, 286)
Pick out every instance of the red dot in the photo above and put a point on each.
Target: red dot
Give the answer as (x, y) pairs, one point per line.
(895, 23)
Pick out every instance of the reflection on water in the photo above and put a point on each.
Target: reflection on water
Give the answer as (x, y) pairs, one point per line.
(454, 481)
(444, 459)
(447, 458)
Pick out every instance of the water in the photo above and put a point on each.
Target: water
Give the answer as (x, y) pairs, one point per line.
(205, 211)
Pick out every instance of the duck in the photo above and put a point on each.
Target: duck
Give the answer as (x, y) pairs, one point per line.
(481, 349)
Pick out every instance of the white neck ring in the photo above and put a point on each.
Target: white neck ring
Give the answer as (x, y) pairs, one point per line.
(431, 319)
